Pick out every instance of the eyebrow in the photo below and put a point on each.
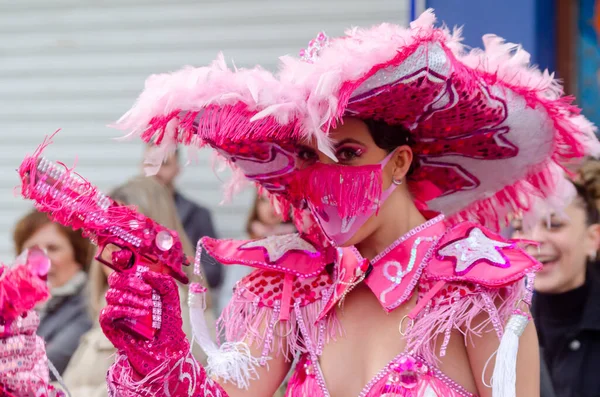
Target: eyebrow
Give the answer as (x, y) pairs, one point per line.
(337, 144)
(348, 140)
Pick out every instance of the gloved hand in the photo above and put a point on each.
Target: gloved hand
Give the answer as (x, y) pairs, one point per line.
(163, 365)
(131, 297)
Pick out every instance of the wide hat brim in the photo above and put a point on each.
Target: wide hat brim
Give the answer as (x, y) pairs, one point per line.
(492, 133)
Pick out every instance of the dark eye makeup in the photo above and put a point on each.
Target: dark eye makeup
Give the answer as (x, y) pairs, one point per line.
(347, 153)
(306, 153)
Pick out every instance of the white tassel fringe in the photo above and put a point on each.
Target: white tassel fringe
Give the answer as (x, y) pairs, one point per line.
(504, 379)
(232, 362)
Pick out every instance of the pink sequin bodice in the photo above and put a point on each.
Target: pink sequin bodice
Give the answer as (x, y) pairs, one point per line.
(404, 376)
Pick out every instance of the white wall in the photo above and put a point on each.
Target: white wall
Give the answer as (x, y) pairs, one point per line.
(79, 64)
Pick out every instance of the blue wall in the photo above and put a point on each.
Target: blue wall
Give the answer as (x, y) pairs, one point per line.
(588, 63)
(527, 22)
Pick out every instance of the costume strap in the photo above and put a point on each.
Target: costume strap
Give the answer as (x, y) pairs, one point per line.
(286, 297)
(414, 313)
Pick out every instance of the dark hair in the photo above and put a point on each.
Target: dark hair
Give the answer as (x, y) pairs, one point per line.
(35, 220)
(389, 137)
(592, 215)
(587, 184)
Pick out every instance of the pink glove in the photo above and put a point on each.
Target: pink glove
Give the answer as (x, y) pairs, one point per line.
(130, 298)
(163, 365)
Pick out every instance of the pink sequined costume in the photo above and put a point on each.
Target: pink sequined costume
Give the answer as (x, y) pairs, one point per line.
(490, 136)
(23, 361)
(452, 290)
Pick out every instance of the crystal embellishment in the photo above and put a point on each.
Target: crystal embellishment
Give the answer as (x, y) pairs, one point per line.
(164, 240)
(476, 247)
(311, 53)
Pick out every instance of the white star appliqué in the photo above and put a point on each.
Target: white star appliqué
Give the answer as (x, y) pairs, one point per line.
(275, 247)
(474, 248)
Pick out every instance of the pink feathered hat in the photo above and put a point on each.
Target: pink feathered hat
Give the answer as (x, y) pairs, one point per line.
(492, 133)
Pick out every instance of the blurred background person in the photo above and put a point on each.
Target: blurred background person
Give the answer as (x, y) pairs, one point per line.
(196, 219)
(86, 374)
(264, 221)
(566, 305)
(64, 317)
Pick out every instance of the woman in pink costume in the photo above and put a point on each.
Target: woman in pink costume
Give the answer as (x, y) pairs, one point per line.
(23, 361)
(370, 138)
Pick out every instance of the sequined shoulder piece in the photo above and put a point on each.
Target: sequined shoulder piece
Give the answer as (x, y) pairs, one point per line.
(470, 253)
(266, 288)
(289, 254)
(473, 271)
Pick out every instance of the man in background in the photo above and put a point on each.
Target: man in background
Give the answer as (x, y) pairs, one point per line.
(196, 220)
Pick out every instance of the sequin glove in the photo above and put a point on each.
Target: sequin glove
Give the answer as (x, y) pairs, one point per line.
(163, 365)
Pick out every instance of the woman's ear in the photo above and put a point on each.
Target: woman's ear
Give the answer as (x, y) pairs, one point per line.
(402, 160)
(594, 238)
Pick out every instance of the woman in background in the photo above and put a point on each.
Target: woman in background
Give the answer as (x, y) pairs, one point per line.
(566, 306)
(86, 374)
(64, 317)
(264, 221)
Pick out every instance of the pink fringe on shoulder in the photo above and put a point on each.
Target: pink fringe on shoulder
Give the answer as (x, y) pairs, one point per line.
(458, 313)
(250, 320)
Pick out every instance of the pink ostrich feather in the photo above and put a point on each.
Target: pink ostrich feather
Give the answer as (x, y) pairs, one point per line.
(196, 105)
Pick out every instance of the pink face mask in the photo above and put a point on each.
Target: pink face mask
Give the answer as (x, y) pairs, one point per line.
(343, 198)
